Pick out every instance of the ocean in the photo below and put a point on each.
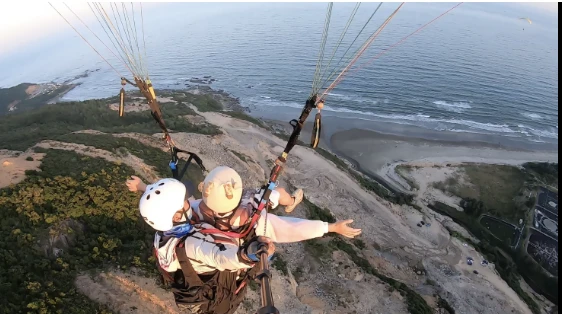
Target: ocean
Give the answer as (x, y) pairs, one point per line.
(478, 70)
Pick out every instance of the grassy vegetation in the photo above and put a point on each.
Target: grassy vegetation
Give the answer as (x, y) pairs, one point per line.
(360, 244)
(69, 187)
(494, 185)
(449, 185)
(155, 157)
(317, 213)
(459, 236)
(203, 102)
(298, 273)
(403, 171)
(11, 94)
(253, 285)
(544, 172)
(21, 130)
(243, 116)
(280, 264)
(333, 158)
(242, 157)
(442, 303)
(500, 229)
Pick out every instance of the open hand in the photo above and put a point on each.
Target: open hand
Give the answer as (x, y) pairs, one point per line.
(341, 227)
(135, 184)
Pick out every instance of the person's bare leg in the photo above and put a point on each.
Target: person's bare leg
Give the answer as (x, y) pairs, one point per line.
(284, 197)
(288, 200)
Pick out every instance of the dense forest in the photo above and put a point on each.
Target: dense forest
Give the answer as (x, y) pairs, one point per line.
(23, 130)
(76, 205)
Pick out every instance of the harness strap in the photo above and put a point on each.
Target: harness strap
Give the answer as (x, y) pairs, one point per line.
(188, 271)
(174, 162)
(232, 234)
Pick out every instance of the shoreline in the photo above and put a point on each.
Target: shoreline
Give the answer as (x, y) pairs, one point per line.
(376, 148)
(377, 154)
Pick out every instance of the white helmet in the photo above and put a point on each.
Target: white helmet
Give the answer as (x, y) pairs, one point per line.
(222, 190)
(161, 201)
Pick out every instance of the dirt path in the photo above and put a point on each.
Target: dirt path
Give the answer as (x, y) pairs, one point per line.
(126, 293)
(14, 164)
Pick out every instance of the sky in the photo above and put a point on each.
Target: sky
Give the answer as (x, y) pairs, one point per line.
(23, 22)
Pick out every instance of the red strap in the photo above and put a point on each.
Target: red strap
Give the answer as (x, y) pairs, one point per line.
(232, 234)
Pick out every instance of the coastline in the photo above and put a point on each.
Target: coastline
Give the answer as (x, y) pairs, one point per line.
(377, 154)
(374, 146)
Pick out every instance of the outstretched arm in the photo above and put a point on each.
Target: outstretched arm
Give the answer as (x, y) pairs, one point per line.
(291, 229)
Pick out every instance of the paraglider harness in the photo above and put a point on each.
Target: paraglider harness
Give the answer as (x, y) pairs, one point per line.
(215, 292)
(146, 89)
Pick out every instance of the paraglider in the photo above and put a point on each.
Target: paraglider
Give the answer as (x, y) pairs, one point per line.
(125, 38)
(526, 19)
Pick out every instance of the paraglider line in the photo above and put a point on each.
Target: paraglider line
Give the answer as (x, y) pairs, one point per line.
(406, 37)
(77, 32)
(340, 77)
(95, 34)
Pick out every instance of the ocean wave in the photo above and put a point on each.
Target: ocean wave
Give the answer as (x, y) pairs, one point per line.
(457, 106)
(532, 116)
(543, 133)
(449, 124)
(423, 120)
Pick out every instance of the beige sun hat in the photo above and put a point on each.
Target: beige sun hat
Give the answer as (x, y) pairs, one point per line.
(222, 189)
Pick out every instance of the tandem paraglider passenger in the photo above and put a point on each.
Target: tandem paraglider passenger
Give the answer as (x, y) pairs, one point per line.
(206, 231)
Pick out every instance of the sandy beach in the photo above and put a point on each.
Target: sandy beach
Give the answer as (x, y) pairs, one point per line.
(378, 154)
(372, 150)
